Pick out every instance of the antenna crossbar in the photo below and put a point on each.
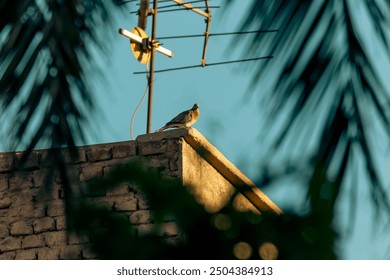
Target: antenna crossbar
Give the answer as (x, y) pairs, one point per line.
(217, 34)
(139, 40)
(190, 7)
(175, 5)
(206, 34)
(207, 64)
(181, 9)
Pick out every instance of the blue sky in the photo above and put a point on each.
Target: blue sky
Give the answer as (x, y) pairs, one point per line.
(230, 118)
(226, 110)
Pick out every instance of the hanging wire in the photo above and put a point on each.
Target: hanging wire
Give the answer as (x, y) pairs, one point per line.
(177, 4)
(217, 34)
(181, 9)
(124, 2)
(140, 103)
(182, 6)
(208, 64)
(164, 1)
(188, 9)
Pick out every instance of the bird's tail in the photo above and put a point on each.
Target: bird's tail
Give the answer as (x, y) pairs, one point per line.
(161, 129)
(172, 125)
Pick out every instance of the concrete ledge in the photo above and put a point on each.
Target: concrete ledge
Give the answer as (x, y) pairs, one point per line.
(216, 159)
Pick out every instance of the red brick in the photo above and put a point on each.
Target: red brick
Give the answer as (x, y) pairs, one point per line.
(126, 205)
(169, 229)
(99, 153)
(3, 182)
(6, 162)
(44, 224)
(173, 165)
(31, 162)
(50, 193)
(10, 244)
(14, 211)
(70, 252)
(60, 222)
(4, 232)
(73, 174)
(33, 241)
(23, 198)
(99, 202)
(36, 210)
(74, 239)
(20, 181)
(26, 255)
(118, 190)
(151, 148)
(39, 177)
(142, 203)
(5, 203)
(7, 255)
(90, 172)
(123, 150)
(88, 254)
(56, 208)
(48, 253)
(141, 217)
(80, 157)
(4, 213)
(157, 162)
(92, 191)
(21, 228)
(56, 238)
(146, 229)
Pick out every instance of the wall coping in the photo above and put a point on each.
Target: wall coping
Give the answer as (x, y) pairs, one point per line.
(216, 159)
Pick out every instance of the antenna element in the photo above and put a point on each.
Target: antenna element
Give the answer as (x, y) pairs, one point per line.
(144, 47)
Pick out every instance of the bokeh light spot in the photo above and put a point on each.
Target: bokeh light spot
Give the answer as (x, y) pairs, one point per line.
(242, 251)
(222, 221)
(268, 251)
(53, 71)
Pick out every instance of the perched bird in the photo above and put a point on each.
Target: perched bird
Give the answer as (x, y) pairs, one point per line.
(184, 119)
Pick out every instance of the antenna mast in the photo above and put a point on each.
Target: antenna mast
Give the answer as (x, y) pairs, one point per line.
(151, 65)
(144, 47)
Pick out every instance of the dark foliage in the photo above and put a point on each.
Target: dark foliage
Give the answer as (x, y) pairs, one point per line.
(227, 234)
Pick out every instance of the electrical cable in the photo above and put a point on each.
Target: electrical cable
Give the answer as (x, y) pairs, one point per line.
(140, 103)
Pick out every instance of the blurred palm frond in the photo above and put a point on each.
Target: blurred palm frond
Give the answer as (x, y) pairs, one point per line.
(325, 76)
(45, 53)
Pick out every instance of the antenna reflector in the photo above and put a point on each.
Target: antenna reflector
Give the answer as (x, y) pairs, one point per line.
(140, 50)
(140, 38)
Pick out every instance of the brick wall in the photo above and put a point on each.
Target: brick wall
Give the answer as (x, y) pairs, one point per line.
(33, 225)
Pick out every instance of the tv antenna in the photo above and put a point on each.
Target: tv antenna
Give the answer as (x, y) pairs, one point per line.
(144, 47)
